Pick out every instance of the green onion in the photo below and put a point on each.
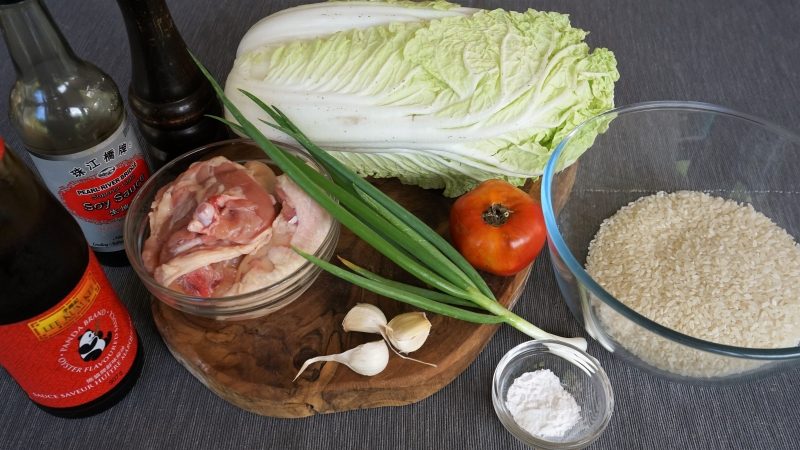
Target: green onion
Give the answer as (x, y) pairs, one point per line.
(400, 236)
(433, 295)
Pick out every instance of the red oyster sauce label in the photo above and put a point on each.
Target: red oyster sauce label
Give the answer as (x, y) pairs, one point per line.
(76, 351)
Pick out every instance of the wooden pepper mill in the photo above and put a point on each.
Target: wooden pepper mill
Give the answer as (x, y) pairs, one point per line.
(168, 94)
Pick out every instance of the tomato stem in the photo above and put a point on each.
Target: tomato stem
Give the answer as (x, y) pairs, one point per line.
(496, 215)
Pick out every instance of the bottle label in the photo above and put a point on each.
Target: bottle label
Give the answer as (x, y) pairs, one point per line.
(76, 351)
(97, 185)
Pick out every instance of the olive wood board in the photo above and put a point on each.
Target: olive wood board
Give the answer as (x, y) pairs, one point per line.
(251, 363)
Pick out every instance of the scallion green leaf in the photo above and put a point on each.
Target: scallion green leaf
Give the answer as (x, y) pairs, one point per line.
(388, 229)
(403, 295)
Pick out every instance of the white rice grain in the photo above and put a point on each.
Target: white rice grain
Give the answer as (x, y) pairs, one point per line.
(703, 266)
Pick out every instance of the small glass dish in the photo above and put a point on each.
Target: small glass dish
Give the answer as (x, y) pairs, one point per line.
(580, 374)
(236, 307)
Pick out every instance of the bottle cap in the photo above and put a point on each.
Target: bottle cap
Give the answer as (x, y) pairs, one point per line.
(10, 2)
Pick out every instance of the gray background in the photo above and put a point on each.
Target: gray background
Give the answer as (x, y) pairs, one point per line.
(740, 54)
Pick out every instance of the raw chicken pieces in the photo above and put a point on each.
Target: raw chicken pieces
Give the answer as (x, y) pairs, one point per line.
(222, 229)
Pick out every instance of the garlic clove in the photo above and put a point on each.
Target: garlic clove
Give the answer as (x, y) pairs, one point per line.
(407, 332)
(366, 359)
(365, 318)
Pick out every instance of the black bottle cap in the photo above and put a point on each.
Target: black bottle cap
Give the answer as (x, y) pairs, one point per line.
(10, 2)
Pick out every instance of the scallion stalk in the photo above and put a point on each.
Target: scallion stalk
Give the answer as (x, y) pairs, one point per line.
(387, 227)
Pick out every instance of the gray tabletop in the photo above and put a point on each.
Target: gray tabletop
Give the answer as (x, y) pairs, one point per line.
(743, 54)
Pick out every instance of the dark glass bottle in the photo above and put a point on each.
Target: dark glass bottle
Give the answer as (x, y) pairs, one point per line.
(168, 94)
(72, 120)
(64, 335)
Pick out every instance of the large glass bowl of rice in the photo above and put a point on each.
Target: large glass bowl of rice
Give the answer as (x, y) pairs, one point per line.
(673, 230)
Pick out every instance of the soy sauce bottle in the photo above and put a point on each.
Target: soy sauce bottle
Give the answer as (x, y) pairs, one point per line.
(72, 120)
(65, 336)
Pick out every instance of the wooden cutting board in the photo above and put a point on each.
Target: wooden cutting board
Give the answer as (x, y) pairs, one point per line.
(252, 363)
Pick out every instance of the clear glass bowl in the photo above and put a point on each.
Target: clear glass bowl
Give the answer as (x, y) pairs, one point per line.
(665, 146)
(586, 381)
(237, 307)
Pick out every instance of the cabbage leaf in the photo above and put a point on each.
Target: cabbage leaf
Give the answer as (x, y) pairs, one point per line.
(438, 96)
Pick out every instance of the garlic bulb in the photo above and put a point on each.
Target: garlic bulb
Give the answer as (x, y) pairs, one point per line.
(365, 318)
(366, 359)
(407, 332)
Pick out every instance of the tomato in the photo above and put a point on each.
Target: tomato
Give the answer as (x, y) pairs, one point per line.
(497, 227)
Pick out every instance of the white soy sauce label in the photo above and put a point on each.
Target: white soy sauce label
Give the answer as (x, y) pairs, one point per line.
(97, 185)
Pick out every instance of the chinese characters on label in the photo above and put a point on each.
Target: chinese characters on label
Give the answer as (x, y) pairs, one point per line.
(108, 156)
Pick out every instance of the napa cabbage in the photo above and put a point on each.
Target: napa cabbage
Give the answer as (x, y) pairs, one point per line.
(434, 94)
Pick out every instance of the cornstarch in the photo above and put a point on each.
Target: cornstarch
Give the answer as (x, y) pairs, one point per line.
(540, 405)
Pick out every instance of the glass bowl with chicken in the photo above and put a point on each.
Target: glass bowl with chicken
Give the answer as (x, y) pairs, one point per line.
(211, 233)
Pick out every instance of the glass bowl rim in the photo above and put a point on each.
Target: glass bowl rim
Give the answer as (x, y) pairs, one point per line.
(532, 348)
(212, 302)
(583, 277)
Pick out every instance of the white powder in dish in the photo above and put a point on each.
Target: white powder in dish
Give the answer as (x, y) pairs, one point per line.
(540, 405)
